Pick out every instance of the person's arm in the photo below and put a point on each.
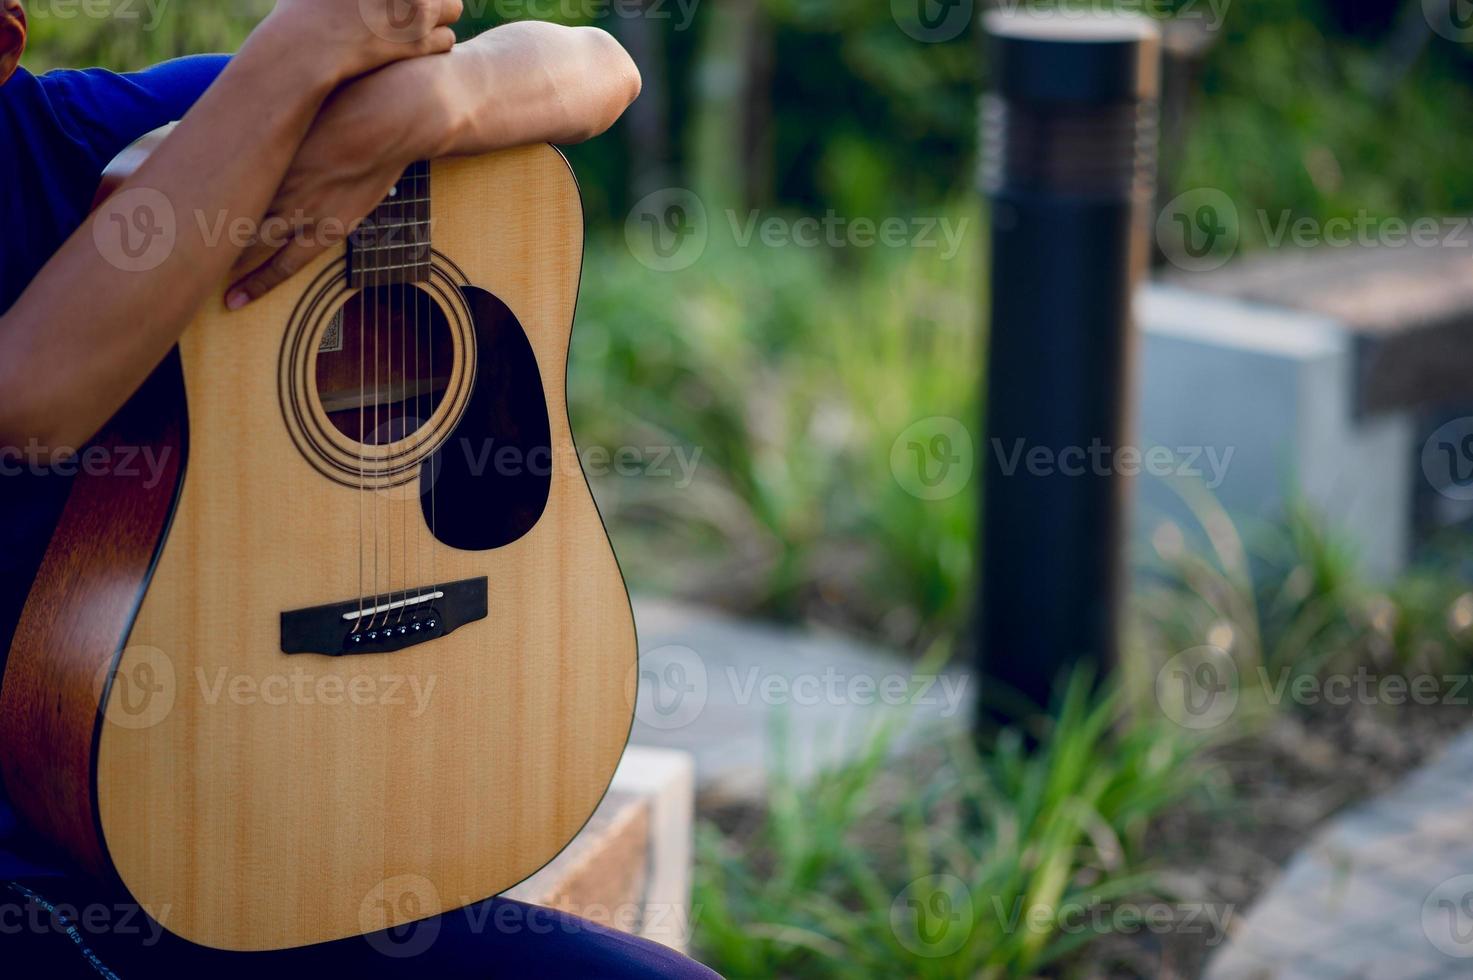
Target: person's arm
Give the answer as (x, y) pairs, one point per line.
(527, 82)
(91, 325)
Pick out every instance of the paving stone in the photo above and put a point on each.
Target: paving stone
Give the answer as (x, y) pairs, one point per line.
(728, 691)
(1355, 901)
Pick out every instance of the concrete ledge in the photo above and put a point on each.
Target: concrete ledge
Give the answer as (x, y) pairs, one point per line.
(1408, 310)
(1269, 395)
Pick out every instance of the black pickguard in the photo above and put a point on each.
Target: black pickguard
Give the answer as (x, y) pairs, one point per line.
(492, 476)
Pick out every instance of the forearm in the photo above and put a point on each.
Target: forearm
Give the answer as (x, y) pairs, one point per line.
(527, 82)
(91, 325)
(96, 320)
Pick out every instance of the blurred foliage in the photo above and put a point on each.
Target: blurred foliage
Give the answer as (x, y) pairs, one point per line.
(999, 858)
(793, 375)
(135, 33)
(1288, 598)
(1294, 117)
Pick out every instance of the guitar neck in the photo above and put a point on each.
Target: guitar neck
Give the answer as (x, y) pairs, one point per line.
(393, 245)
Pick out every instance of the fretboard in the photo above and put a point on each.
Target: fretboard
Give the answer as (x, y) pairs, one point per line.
(392, 245)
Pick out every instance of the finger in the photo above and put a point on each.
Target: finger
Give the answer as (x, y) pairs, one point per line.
(286, 263)
(440, 40)
(274, 233)
(255, 255)
(449, 12)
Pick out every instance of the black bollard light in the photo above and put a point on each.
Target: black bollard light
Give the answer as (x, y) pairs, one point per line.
(1069, 134)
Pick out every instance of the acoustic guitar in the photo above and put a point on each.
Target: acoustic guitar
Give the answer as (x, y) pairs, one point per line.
(353, 649)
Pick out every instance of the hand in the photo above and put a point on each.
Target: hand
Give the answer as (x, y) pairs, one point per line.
(362, 141)
(358, 36)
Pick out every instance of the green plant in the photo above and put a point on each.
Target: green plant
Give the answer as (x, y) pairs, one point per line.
(1288, 599)
(792, 374)
(1294, 117)
(994, 850)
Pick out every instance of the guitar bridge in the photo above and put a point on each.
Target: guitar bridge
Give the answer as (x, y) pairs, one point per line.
(388, 623)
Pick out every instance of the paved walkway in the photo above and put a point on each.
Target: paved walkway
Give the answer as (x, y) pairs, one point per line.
(1385, 892)
(722, 688)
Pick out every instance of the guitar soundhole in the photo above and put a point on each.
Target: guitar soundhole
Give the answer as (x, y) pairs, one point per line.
(384, 363)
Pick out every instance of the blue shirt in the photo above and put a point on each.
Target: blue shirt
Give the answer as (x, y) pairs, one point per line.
(57, 133)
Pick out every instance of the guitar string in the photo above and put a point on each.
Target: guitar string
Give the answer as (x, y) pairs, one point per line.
(375, 291)
(424, 190)
(395, 313)
(422, 417)
(387, 439)
(405, 407)
(362, 348)
(419, 424)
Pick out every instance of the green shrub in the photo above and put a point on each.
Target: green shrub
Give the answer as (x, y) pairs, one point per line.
(793, 375)
(973, 866)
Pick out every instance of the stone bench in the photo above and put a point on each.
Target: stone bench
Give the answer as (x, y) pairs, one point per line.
(1324, 372)
(1407, 311)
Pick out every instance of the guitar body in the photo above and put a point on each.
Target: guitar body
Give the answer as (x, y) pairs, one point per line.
(192, 704)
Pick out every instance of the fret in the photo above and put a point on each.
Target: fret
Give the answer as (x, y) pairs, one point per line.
(390, 211)
(394, 266)
(406, 247)
(392, 245)
(402, 224)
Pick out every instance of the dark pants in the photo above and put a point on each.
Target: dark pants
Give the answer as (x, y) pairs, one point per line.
(59, 928)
